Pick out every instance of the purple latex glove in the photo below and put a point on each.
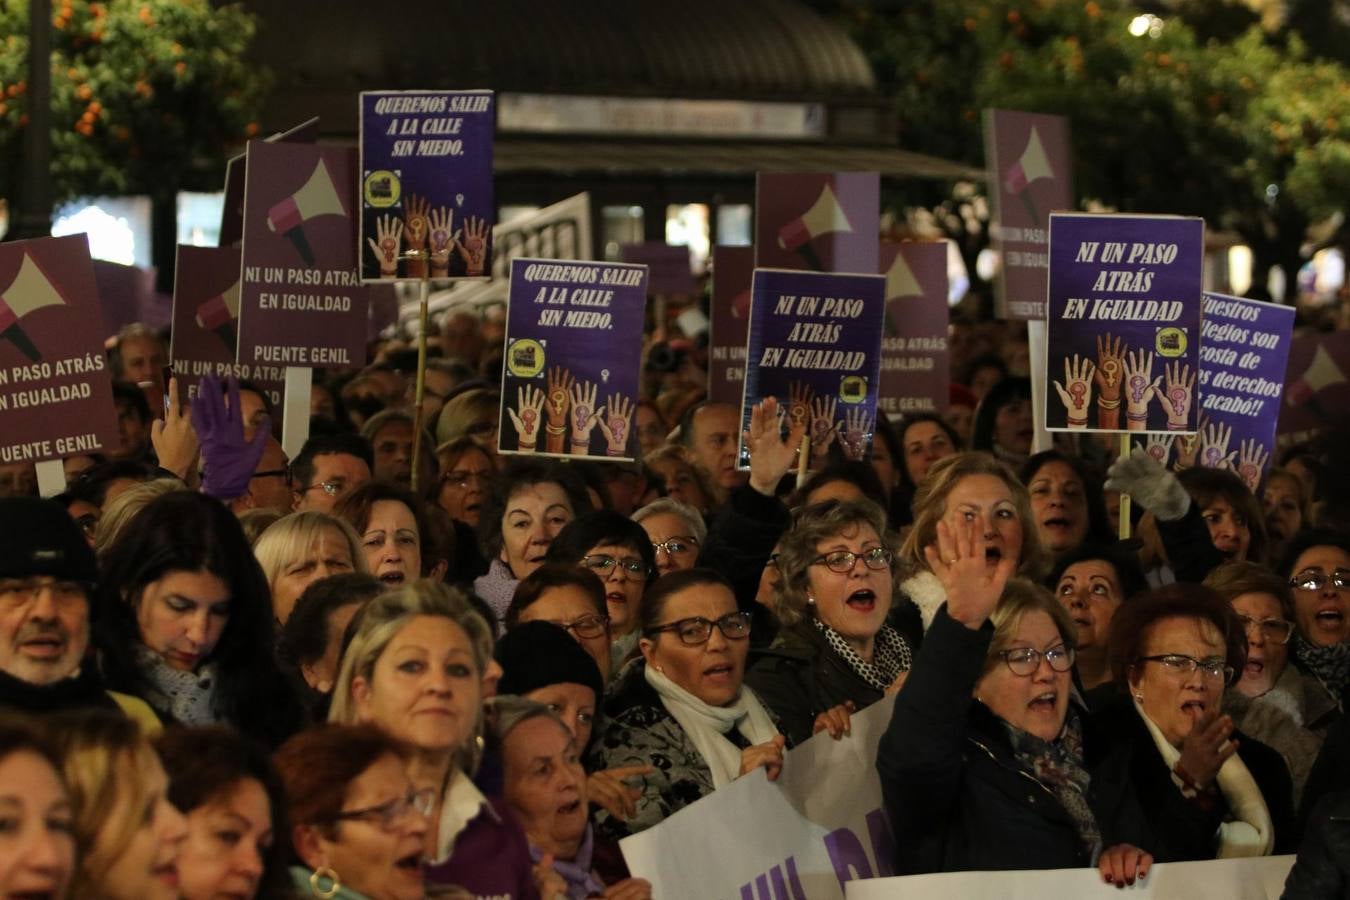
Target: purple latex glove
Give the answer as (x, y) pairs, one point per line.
(228, 461)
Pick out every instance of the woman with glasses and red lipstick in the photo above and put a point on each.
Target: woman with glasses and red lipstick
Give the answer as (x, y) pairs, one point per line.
(1198, 788)
(683, 708)
(839, 649)
(1274, 702)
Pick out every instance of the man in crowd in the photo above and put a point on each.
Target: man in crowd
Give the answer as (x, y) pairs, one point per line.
(269, 485)
(47, 582)
(711, 431)
(327, 468)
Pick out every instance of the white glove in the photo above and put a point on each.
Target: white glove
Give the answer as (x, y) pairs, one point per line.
(1149, 484)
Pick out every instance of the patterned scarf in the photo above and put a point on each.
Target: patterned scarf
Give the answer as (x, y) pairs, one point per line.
(1331, 664)
(890, 655)
(186, 696)
(1058, 765)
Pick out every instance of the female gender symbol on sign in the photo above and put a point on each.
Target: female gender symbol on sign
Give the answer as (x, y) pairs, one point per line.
(1137, 383)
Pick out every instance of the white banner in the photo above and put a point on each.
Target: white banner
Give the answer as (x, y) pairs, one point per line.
(801, 838)
(1226, 879)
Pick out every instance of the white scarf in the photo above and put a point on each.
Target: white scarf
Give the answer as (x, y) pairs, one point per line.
(707, 726)
(1250, 833)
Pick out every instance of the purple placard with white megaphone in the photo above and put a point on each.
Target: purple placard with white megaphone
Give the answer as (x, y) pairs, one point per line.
(821, 222)
(301, 302)
(55, 393)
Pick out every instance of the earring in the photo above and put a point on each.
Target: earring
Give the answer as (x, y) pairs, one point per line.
(318, 876)
(661, 670)
(810, 601)
(1139, 697)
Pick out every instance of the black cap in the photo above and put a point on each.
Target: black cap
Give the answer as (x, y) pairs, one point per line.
(537, 654)
(38, 537)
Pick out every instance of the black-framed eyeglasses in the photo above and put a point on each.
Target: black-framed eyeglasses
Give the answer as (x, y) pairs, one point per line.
(843, 561)
(22, 590)
(588, 626)
(1277, 631)
(1024, 661)
(602, 564)
(271, 473)
(1179, 664)
(387, 814)
(675, 545)
(331, 488)
(697, 630)
(1315, 581)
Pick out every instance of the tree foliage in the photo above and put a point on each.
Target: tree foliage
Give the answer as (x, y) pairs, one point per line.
(147, 95)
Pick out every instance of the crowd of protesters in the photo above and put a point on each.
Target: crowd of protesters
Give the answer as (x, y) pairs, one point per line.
(401, 665)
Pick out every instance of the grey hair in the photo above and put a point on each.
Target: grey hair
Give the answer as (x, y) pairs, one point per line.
(666, 505)
(510, 710)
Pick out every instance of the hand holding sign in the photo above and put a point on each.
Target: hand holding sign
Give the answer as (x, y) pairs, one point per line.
(1140, 386)
(388, 231)
(1251, 463)
(615, 425)
(1076, 392)
(530, 402)
(473, 249)
(1180, 392)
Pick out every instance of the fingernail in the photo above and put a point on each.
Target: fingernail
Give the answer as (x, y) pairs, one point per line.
(1110, 880)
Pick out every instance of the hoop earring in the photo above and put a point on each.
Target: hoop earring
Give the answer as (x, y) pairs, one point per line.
(318, 875)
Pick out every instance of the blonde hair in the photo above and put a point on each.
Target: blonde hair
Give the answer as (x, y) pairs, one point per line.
(124, 507)
(930, 505)
(256, 521)
(104, 761)
(380, 620)
(463, 410)
(290, 537)
(1022, 596)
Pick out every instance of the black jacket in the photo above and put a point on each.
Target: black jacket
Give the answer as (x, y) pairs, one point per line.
(1132, 788)
(1322, 870)
(957, 797)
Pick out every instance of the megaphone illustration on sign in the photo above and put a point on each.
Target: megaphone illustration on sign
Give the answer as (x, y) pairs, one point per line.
(29, 291)
(220, 314)
(318, 197)
(900, 283)
(1321, 373)
(1032, 165)
(825, 216)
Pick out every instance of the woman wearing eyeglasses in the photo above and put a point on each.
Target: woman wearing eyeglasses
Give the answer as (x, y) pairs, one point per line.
(1272, 701)
(620, 554)
(358, 823)
(838, 650)
(1199, 788)
(571, 598)
(1318, 566)
(682, 708)
(677, 532)
(984, 765)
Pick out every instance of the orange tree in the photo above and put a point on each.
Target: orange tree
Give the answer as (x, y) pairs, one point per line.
(147, 95)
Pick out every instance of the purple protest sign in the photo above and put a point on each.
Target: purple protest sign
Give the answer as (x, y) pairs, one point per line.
(300, 301)
(573, 358)
(1030, 175)
(823, 222)
(667, 266)
(426, 184)
(1242, 372)
(815, 344)
(55, 392)
(733, 268)
(914, 359)
(1123, 332)
(206, 323)
(232, 210)
(1318, 391)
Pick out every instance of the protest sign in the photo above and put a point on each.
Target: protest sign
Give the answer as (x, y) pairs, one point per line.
(823, 222)
(573, 358)
(1030, 175)
(232, 210)
(799, 838)
(1242, 369)
(668, 269)
(914, 359)
(733, 268)
(426, 184)
(55, 390)
(1123, 331)
(815, 344)
(1317, 392)
(1256, 878)
(206, 321)
(300, 303)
